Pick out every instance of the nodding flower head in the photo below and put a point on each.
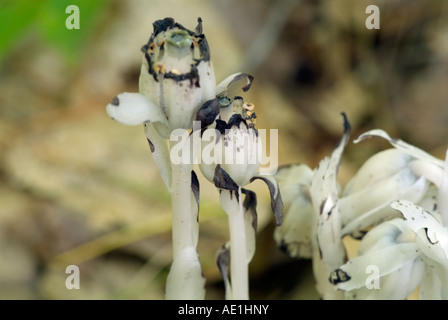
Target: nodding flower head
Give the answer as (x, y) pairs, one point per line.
(241, 148)
(176, 79)
(177, 73)
(237, 145)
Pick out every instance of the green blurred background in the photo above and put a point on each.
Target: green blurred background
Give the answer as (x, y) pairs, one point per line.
(78, 188)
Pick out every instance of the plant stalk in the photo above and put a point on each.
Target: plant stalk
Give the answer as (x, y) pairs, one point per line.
(239, 269)
(181, 205)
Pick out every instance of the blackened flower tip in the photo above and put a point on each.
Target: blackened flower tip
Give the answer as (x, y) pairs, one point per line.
(199, 26)
(115, 101)
(347, 126)
(162, 25)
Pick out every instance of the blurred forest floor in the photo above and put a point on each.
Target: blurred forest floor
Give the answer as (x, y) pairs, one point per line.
(78, 188)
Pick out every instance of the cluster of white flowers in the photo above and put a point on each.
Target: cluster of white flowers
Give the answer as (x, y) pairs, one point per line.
(396, 204)
(176, 88)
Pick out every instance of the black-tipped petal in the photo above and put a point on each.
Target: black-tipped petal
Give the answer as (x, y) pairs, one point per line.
(208, 112)
(199, 26)
(250, 206)
(151, 145)
(338, 276)
(222, 180)
(195, 186)
(233, 83)
(250, 221)
(276, 198)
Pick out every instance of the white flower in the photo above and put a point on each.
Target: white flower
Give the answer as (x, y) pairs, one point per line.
(176, 78)
(404, 172)
(232, 158)
(383, 178)
(231, 151)
(407, 253)
(237, 150)
(294, 235)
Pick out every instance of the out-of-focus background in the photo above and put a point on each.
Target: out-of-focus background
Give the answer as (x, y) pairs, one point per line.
(77, 188)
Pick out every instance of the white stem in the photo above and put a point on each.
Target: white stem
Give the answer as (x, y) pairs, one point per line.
(181, 206)
(185, 279)
(239, 269)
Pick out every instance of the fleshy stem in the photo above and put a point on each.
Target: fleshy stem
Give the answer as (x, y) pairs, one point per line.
(182, 224)
(231, 202)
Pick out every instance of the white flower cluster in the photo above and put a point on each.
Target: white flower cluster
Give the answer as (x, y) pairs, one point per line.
(176, 88)
(396, 204)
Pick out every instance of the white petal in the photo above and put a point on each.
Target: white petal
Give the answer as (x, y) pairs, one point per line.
(181, 100)
(352, 275)
(385, 235)
(378, 167)
(328, 251)
(233, 83)
(147, 85)
(294, 235)
(401, 145)
(429, 202)
(433, 236)
(372, 205)
(207, 80)
(134, 109)
(241, 150)
(434, 285)
(427, 169)
(397, 285)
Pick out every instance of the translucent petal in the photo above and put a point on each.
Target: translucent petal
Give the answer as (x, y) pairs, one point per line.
(134, 109)
(432, 235)
(378, 167)
(328, 251)
(397, 285)
(384, 235)
(434, 284)
(401, 145)
(233, 83)
(294, 235)
(372, 204)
